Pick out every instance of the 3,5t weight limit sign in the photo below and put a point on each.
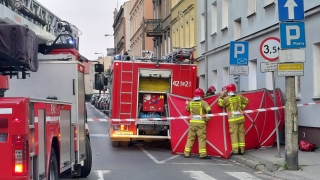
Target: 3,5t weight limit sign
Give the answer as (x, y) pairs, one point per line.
(269, 48)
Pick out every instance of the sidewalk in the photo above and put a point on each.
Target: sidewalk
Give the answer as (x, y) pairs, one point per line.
(265, 160)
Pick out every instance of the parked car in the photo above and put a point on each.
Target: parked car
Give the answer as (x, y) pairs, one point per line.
(98, 102)
(106, 106)
(102, 103)
(93, 99)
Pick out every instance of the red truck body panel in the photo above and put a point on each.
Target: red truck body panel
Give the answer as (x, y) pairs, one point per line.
(10, 109)
(125, 89)
(15, 120)
(184, 79)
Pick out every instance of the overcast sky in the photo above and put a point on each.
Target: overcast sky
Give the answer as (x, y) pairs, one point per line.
(94, 18)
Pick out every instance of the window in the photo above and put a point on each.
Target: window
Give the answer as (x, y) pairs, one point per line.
(169, 45)
(236, 81)
(192, 27)
(252, 75)
(225, 13)
(316, 67)
(237, 29)
(165, 46)
(214, 78)
(173, 39)
(187, 31)
(269, 82)
(252, 7)
(177, 38)
(225, 76)
(182, 33)
(202, 27)
(214, 18)
(202, 83)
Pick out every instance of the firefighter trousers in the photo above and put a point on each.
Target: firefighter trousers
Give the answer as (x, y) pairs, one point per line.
(236, 129)
(197, 130)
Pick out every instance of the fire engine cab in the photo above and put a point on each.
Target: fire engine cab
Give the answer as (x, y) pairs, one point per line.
(43, 119)
(139, 88)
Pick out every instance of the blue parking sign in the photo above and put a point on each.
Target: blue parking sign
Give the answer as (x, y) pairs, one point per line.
(239, 53)
(292, 35)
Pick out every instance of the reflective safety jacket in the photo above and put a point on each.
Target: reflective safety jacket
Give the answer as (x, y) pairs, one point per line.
(232, 104)
(198, 107)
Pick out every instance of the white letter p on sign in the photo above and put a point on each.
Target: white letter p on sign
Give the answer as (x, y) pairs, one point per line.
(292, 37)
(236, 51)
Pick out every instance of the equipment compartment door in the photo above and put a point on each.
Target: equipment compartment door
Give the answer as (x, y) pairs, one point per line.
(42, 141)
(65, 140)
(81, 112)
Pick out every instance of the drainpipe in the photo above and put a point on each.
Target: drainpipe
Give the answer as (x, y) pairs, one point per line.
(206, 43)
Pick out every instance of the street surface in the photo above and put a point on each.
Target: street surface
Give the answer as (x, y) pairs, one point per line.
(154, 160)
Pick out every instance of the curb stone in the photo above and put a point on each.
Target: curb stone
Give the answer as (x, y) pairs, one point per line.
(266, 167)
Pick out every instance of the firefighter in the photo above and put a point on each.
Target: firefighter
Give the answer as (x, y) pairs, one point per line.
(211, 91)
(197, 127)
(224, 89)
(235, 102)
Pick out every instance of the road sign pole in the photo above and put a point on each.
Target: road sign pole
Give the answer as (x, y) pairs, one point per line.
(292, 36)
(276, 112)
(291, 125)
(269, 50)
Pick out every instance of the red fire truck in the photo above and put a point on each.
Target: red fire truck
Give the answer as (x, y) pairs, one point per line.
(139, 88)
(43, 130)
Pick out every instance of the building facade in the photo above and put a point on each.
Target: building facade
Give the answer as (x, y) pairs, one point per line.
(121, 29)
(139, 11)
(184, 24)
(106, 61)
(254, 21)
(159, 27)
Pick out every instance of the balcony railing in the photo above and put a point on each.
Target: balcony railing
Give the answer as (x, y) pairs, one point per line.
(153, 27)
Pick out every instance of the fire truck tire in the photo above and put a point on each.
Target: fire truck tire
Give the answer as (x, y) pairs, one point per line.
(53, 166)
(124, 143)
(115, 143)
(86, 168)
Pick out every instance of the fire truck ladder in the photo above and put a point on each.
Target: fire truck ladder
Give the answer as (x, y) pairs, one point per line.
(37, 17)
(126, 89)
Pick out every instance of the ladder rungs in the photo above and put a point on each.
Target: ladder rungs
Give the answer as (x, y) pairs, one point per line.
(126, 73)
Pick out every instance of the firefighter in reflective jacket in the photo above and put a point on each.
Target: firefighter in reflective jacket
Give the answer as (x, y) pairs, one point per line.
(211, 91)
(197, 127)
(235, 102)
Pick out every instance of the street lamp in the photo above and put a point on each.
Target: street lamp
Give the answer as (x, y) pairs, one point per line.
(108, 35)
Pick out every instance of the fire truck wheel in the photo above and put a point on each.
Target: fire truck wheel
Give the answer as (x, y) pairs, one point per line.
(115, 143)
(53, 166)
(86, 168)
(124, 143)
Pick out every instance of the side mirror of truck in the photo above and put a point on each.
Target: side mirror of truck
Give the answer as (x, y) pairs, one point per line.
(98, 81)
